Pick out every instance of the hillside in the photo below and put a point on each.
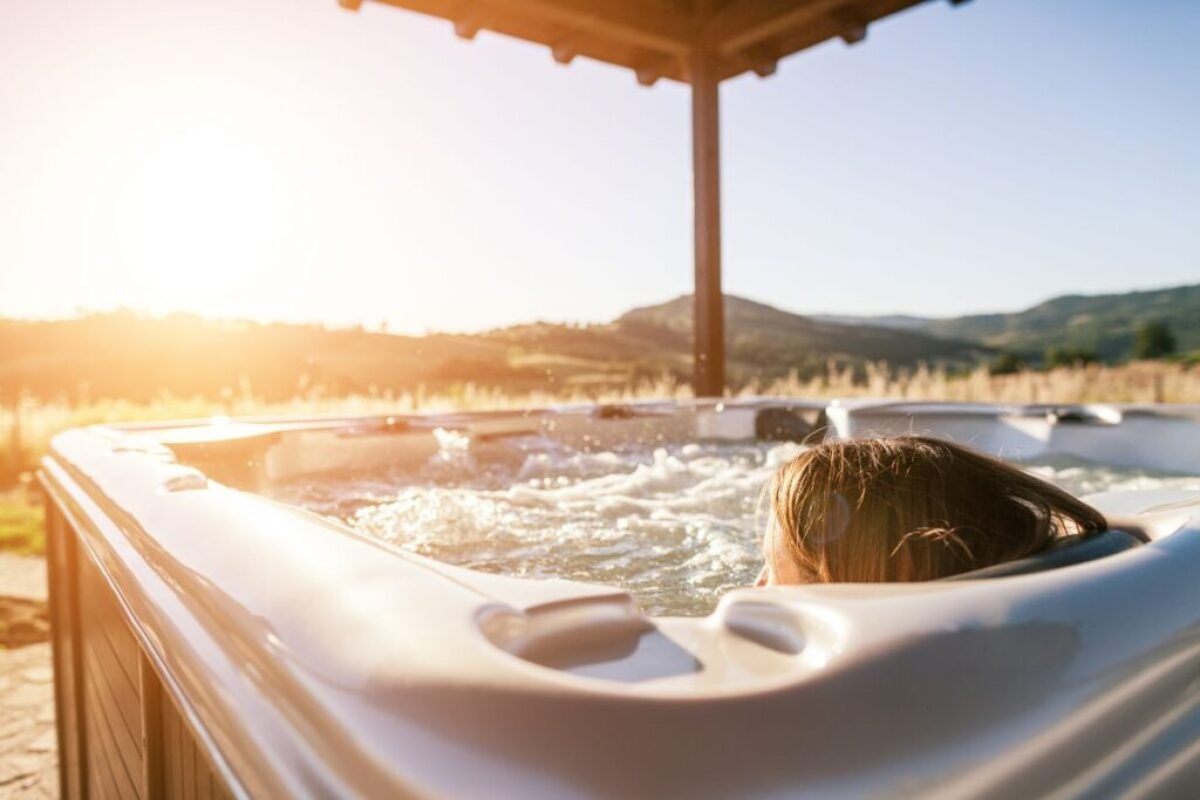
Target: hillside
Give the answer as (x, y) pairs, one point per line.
(765, 341)
(122, 355)
(127, 356)
(1104, 323)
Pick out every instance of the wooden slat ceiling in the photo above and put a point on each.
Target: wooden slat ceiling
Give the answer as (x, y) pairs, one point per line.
(654, 38)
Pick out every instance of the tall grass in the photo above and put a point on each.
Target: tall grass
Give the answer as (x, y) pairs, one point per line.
(26, 427)
(1139, 382)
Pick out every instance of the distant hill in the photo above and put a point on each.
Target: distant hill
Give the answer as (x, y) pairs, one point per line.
(1103, 323)
(123, 355)
(765, 341)
(902, 322)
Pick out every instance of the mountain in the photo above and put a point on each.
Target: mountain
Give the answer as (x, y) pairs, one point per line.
(901, 322)
(123, 355)
(1105, 324)
(766, 342)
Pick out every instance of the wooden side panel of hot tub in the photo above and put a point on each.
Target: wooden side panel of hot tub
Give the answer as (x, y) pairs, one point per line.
(120, 734)
(112, 709)
(186, 772)
(61, 552)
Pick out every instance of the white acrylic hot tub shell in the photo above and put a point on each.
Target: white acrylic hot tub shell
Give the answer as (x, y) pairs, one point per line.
(311, 661)
(1166, 439)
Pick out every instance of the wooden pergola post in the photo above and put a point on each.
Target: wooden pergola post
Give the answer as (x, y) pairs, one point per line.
(709, 321)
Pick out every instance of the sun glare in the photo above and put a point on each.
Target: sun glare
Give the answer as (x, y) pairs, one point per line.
(199, 216)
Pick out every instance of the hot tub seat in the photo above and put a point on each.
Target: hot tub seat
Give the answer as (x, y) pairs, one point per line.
(1070, 551)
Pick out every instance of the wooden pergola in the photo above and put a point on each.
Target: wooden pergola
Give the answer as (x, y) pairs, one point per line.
(699, 42)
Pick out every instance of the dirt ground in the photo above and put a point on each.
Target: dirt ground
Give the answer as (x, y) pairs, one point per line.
(28, 748)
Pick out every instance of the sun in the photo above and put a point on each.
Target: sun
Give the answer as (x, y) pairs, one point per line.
(201, 217)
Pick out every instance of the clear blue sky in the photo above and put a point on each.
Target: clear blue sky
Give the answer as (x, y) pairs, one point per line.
(285, 159)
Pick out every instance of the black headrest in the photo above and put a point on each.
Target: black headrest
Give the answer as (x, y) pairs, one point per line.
(1068, 552)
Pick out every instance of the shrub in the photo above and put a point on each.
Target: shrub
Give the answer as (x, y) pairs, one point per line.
(1069, 357)
(1153, 340)
(1006, 364)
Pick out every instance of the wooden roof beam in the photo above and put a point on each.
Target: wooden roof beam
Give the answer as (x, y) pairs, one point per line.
(651, 25)
(565, 49)
(468, 23)
(760, 60)
(851, 24)
(655, 38)
(746, 23)
(649, 73)
(655, 25)
(648, 66)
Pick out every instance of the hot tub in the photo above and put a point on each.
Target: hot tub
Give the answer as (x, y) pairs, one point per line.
(212, 640)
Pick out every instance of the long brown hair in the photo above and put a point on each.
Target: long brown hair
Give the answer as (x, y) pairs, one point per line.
(913, 508)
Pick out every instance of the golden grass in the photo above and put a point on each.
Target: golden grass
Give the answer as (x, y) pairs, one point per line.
(1139, 382)
(23, 441)
(22, 523)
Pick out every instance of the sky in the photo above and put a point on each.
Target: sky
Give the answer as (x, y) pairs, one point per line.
(290, 160)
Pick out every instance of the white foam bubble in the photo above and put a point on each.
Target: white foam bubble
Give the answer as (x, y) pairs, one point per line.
(1084, 477)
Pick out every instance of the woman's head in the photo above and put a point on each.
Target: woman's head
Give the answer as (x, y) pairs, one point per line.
(908, 508)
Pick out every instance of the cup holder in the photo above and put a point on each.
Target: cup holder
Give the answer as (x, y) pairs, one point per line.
(605, 637)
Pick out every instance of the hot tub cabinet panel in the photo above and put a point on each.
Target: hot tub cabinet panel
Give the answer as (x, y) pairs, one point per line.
(209, 642)
(61, 552)
(112, 703)
(119, 736)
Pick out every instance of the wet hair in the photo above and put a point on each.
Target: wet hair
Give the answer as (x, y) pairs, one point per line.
(913, 508)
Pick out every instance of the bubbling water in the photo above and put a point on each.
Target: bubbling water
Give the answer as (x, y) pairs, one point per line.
(1080, 477)
(676, 524)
